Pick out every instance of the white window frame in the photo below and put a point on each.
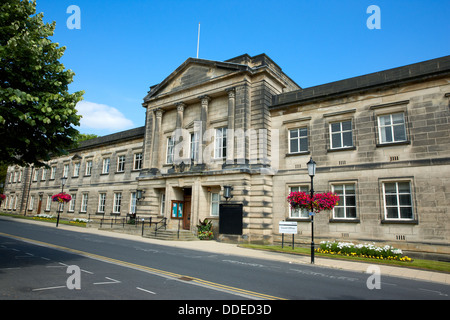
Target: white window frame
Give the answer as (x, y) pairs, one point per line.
(220, 143)
(53, 172)
(391, 128)
(106, 165)
(298, 139)
(163, 203)
(121, 163)
(398, 206)
(44, 174)
(133, 202)
(88, 171)
(194, 146)
(72, 203)
(66, 171)
(48, 205)
(30, 204)
(117, 202)
(214, 208)
(341, 133)
(84, 202)
(169, 150)
(76, 169)
(299, 213)
(101, 202)
(35, 174)
(342, 203)
(137, 161)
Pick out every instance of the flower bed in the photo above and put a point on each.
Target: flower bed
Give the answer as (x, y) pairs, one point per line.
(362, 250)
(204, 230)
(44, 216)
(80, 220)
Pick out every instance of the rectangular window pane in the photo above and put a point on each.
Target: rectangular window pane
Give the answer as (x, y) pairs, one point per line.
(403, 187)
(304, 144)
(386, 135)
(406, 213)
(397, 118)
(336, 140)
(336, 127)
(351, 212)
(339, 212)
(399, 133)
(293, 133)
(346, 126)
(347, 139)
(391, 200)
(392, 212)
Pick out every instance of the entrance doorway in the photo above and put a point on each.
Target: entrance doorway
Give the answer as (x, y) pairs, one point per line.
(187, 208)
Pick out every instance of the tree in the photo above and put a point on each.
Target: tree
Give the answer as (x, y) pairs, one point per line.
(37, 113)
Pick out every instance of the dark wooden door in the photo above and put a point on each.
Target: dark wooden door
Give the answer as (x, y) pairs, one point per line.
(187, 212)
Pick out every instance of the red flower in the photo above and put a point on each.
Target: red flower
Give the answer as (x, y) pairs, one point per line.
(61, 197)
(319, 202)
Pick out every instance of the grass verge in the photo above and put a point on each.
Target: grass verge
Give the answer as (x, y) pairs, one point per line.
(423, 264)
(51, 220)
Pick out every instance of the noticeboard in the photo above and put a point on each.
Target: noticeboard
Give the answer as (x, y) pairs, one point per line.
(289, 227)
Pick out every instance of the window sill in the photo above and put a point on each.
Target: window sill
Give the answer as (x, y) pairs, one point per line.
(386, 221)
(297, 154)
(390, 144)
(301, 219)
(343, 220)
(341, 149)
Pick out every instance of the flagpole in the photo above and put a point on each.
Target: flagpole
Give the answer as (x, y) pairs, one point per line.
(198, 39)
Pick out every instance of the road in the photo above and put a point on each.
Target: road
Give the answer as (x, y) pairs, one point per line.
(45, 262)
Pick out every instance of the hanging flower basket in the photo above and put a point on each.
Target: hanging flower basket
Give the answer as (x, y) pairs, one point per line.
(319, 202)
(2, 197)
(61, 197)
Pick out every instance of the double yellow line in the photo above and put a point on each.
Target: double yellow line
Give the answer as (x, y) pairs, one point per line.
(158, 272)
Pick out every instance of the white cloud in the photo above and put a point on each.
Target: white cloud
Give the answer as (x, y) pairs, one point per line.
(102, 117)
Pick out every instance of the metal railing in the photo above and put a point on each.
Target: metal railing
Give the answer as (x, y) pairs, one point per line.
(136, 221)
(163, 223)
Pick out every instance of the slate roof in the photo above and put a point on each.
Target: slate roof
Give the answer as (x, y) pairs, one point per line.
(406, 74)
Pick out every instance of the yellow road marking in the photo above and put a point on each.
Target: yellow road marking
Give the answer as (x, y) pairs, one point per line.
(167, 274)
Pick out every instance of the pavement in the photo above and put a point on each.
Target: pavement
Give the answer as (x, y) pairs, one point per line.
(234, 249)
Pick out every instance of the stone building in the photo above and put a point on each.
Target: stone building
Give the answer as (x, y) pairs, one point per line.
(381, 141)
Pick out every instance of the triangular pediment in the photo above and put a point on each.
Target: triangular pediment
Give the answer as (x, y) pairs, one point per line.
(194, 72)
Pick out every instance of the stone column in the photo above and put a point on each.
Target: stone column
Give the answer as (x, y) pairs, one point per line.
(230, 128)
(180, 110)
(156, 139)
(204, 122)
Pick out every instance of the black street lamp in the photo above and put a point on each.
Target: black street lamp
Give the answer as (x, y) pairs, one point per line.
(227, 192)
(312, 172)
(61, 205)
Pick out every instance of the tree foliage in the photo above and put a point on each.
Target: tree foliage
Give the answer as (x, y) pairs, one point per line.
(37, 113)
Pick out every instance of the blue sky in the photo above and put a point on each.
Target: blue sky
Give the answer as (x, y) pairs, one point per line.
(124, 47)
